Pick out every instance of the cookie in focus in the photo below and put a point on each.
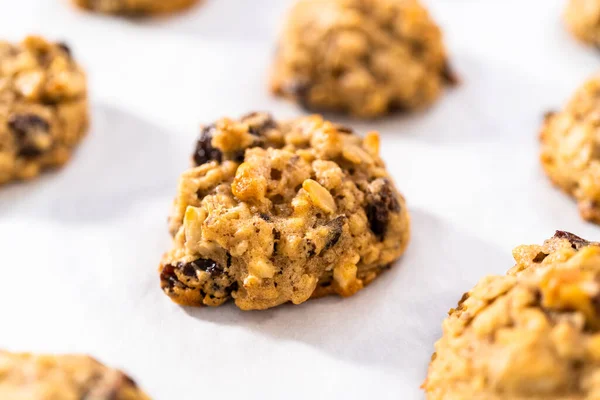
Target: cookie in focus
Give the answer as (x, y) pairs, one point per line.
(533, 334)
(281, 211)
(366, 58)
(43, 107)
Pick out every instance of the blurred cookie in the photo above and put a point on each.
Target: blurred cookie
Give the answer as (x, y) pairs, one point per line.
(362, 57)
(275, 212)
(571, 148)
(134, 7)
(583, 20)
(43, 107)
(533, 334)
(64, 377)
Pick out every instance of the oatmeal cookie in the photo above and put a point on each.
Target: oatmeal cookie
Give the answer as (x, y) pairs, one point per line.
(64, 377)
(533, 334)
(363, 57)
(571, 149)
(43, 107)
(134, 7)
(275, 212)
(583, 20)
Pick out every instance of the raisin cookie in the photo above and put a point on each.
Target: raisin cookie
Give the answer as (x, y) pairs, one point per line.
(275, 212)
(533, 334)
(571, 149)
(134, 7)
(43, 107)
(363, 57)
(65, 377)
(583, 20)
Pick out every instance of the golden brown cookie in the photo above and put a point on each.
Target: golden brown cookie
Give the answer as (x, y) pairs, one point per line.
(134, 7)
(43, 107)
(583, 20)
(362, 57)
(533, 334)
(571, 148)
(65, 377)
(275, 212)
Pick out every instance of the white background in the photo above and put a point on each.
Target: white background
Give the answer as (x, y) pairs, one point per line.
(79, 248)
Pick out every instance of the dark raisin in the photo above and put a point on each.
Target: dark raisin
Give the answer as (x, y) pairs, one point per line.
(168, 277)
(276, 238)
(265, 217)
(343, 129)
(449, 75)
(129, 381)
(202, 264)
(205, 152)
(228, 260)
(541, 256)
(596, 303)
(300, 90)
(22, 124)
(576, 242)
(336, 227)
(189, 270)
(548, 115)
(65, 47)
(276, 174)
(379, 207)
(232, 288)
(260, 127)
(25, 128)
(311, 248)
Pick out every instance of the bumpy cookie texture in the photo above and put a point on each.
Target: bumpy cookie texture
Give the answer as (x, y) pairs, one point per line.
(533, 334)
(583, 20)
(277, 212)
(65, 377)
(43, 107)
(363, 57)
(571, 149)
(134, 7)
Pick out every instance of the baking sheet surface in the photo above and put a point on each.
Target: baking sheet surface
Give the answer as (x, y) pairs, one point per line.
(80, 247)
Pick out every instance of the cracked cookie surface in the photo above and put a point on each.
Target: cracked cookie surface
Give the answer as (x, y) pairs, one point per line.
(533, 334)
(583, 20)
(43, 107)
(134, 7)
(62, 377)
(362, 57)
(570, 151)
(275, 212)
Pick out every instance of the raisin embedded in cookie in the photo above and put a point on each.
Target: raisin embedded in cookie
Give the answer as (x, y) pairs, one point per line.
(533, 334)
(134, 7)
(583, 20)
(275, 212)
(43, 107)
(51, 377)
(363, 57)
(571, 149)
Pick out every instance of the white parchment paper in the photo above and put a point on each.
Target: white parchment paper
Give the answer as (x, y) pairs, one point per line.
(79, 248)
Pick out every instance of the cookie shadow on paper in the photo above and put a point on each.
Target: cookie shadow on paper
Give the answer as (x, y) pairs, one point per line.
(394, 322)
(123, 160)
